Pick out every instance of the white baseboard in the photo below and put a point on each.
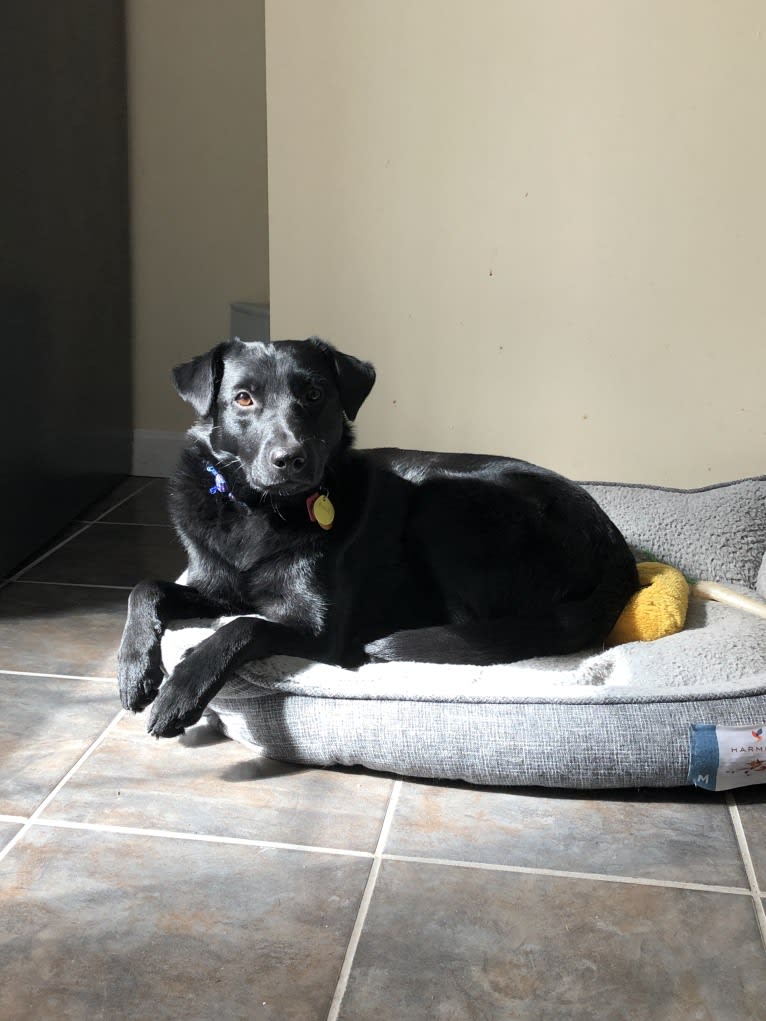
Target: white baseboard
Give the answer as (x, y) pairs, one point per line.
(156, 451)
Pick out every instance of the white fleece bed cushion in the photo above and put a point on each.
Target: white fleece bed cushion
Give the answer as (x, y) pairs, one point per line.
(615, 718)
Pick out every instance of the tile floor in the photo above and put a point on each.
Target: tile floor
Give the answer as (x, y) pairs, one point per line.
(189, 879)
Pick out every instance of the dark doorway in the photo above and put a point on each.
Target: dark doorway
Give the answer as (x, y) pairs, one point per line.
(65, 405)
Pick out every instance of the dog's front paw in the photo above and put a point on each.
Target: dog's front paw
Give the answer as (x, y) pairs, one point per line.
(173, 711)
(139, 673)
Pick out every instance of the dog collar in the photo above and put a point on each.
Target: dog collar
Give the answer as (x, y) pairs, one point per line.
(318, 505)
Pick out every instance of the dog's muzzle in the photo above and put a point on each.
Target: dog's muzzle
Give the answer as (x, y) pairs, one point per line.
(286, 468)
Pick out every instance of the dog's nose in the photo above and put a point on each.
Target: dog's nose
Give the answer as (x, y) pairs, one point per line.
(288, 458)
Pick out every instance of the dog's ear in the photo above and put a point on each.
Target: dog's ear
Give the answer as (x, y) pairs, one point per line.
(355, 378)
(197, 381)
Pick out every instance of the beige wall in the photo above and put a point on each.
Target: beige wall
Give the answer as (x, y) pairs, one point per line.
(545, 222)
(199, 192)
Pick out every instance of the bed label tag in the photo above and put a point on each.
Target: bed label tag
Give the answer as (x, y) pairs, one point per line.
(722, 758)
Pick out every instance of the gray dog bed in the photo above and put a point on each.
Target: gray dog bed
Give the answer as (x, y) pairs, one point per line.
(643, 714)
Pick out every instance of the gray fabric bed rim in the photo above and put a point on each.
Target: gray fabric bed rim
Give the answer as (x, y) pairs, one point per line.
(607, 718)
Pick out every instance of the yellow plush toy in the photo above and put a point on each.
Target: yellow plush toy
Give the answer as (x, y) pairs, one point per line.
(659, 607)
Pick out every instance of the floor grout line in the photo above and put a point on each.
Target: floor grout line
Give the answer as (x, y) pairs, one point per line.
(53, 549)
(747, 860)
(113, 507)
(364, 906)
(67, 776)
(130, 524)
(74, 584)
(202, 838)
(59, 677)
(598, 877)
(85, 527)
(377, 855)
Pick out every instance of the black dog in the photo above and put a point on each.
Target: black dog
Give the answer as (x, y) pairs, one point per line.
(356, 555)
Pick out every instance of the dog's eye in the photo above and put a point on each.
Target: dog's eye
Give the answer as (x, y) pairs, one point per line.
(243, 399)
(314, 394)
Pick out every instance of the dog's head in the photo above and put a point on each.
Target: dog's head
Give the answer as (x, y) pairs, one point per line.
(279, 410)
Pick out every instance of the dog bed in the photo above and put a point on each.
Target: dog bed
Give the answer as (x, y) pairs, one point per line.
(689, 708)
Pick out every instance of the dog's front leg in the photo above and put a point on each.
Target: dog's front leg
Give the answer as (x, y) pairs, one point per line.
(139, 663)
(205, 668)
